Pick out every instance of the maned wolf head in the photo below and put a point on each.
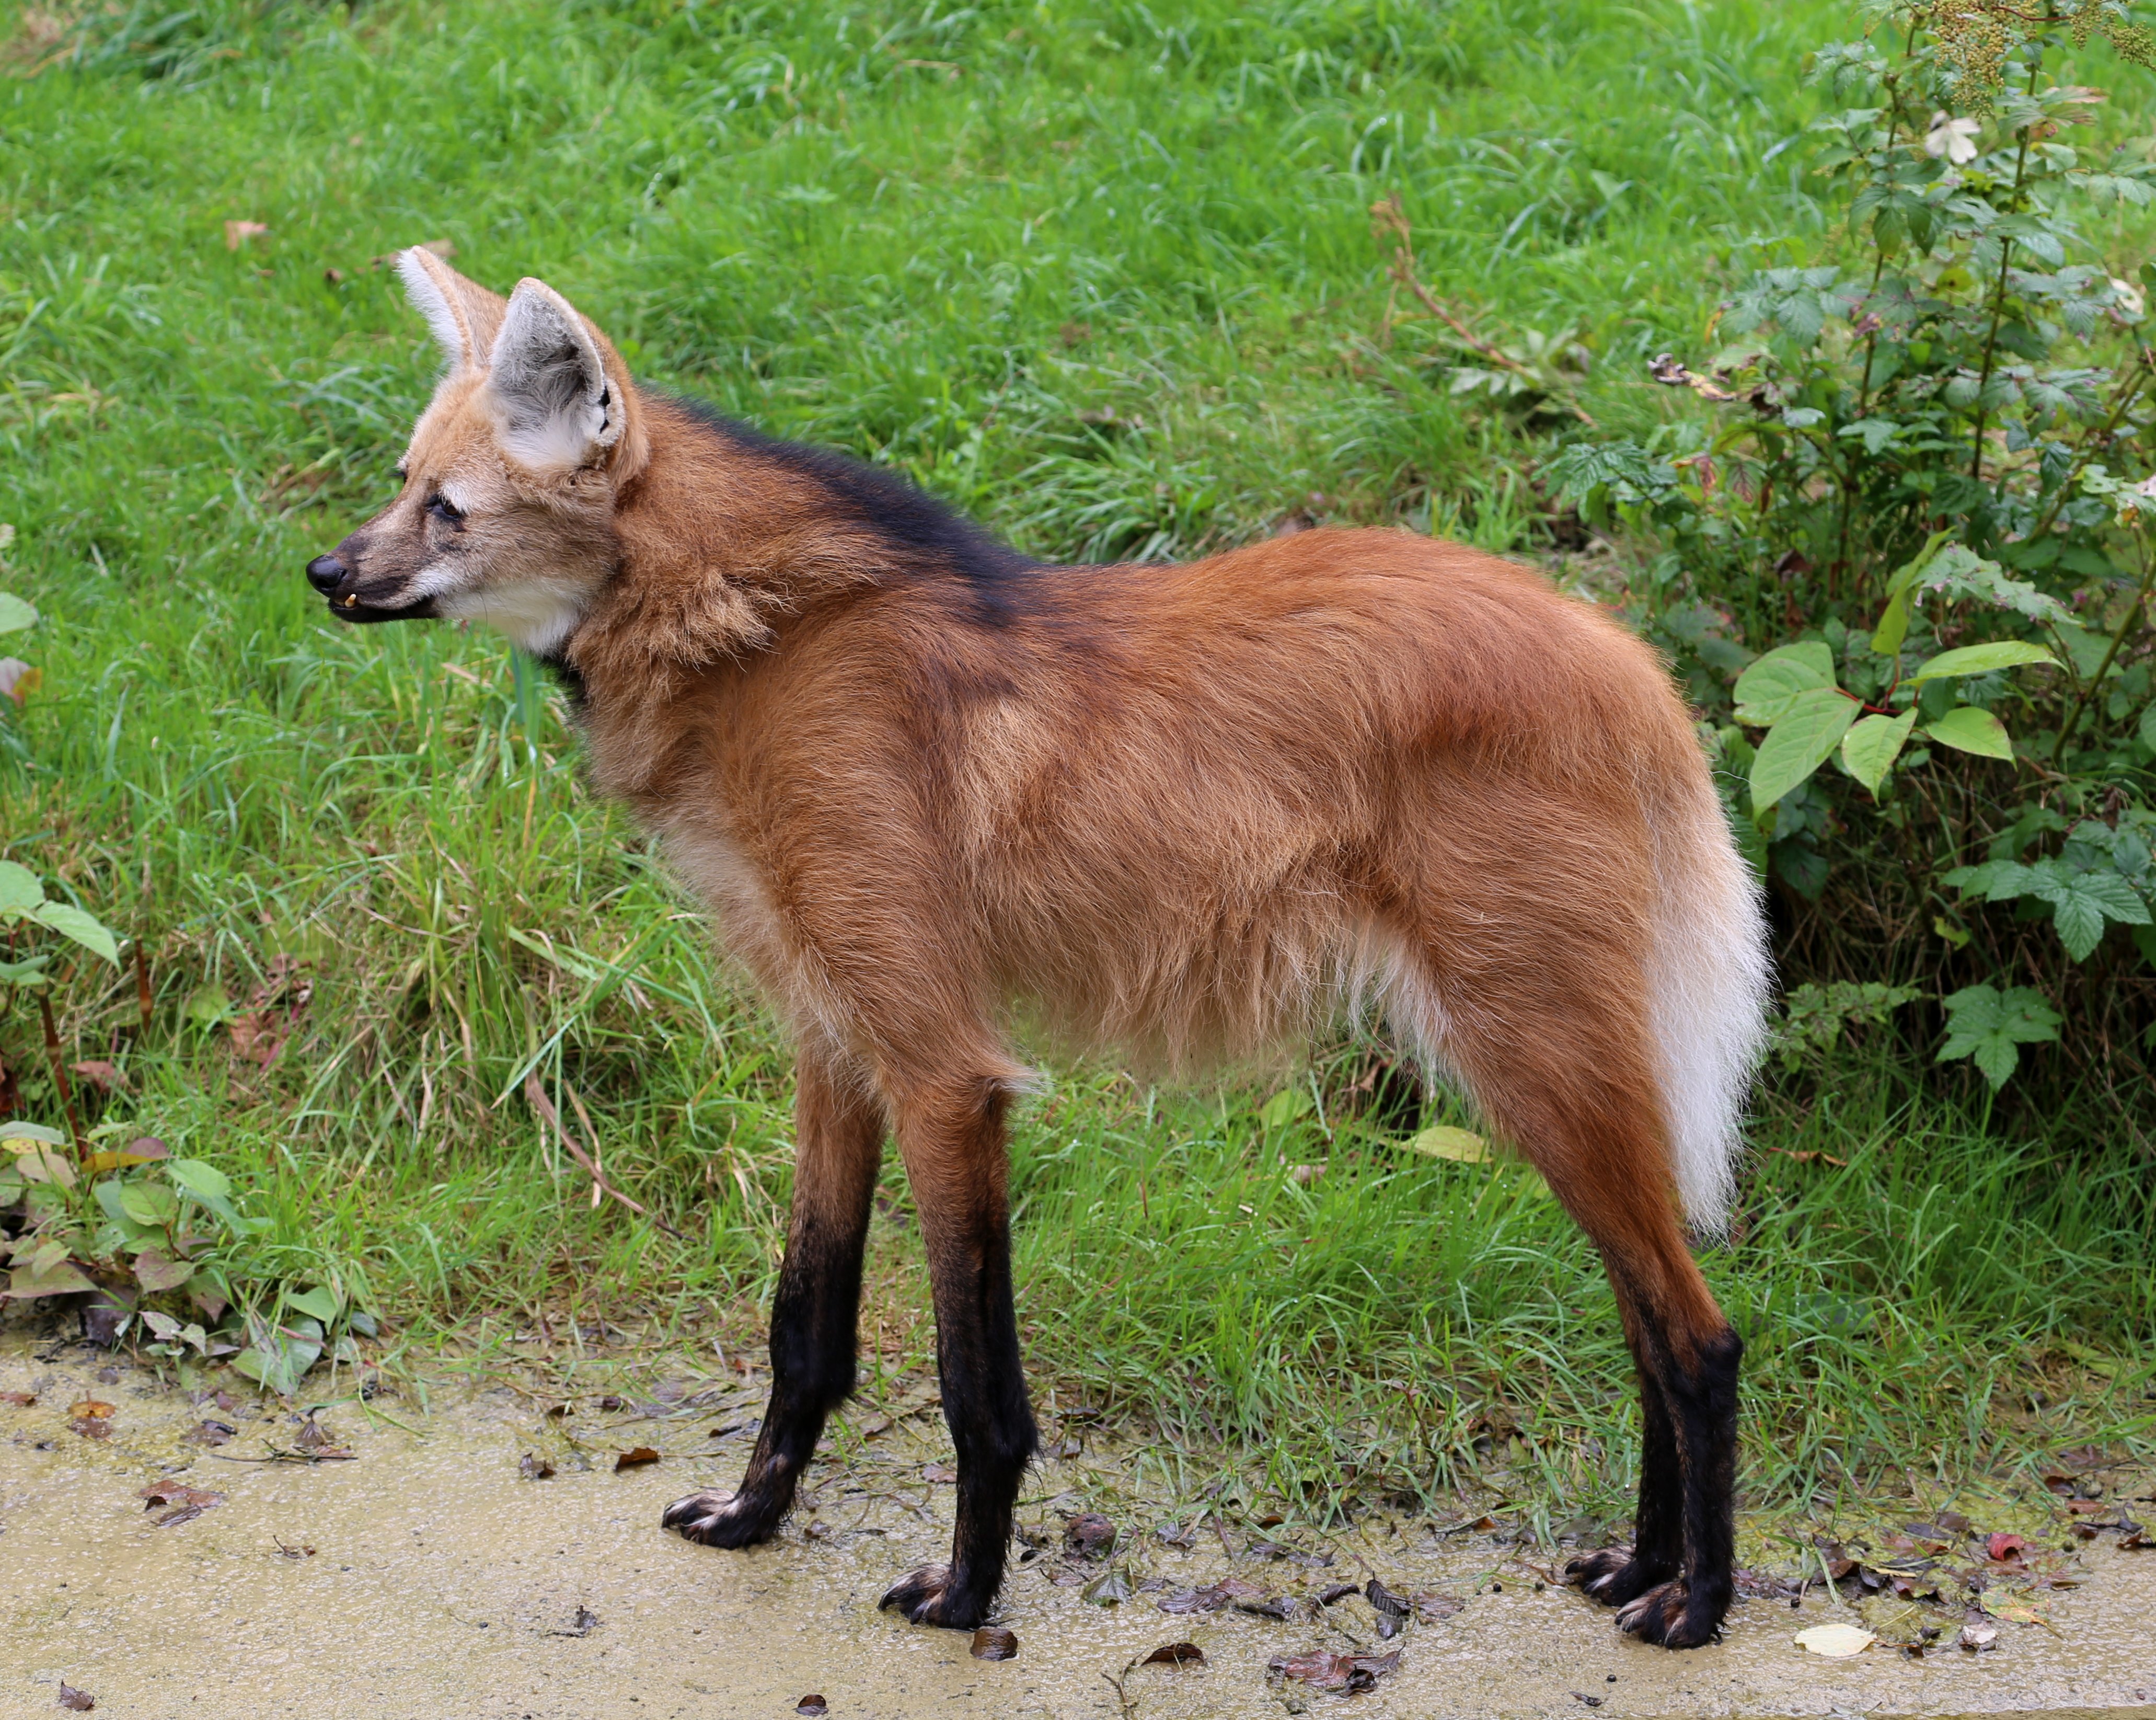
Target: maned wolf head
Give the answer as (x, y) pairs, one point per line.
(506, 515)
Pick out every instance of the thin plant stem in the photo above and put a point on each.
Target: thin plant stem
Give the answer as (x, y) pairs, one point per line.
(2110, 656)
(58, 1062)
(1999, 294)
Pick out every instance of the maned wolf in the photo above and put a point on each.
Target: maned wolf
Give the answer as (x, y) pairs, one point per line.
(934, 792)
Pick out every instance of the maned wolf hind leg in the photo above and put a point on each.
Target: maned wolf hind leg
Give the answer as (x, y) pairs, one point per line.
(953, 1138)
(1556, 1049)
(839, 1129)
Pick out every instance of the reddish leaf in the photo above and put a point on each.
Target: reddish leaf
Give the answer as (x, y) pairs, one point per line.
(1323, 1670)
(105, 1077)
(154, 1271)
(991, 1642)
(2003, 1546)
(1089, 1535)
(19, 1400)
(92, 1427)
(170, 1492)
(635, 1458)
(1176, 1654)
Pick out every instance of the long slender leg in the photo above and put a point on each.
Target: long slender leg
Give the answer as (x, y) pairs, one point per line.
(956, 1155)
(1617, 1574)
(839, 1129)
(1562, 1064)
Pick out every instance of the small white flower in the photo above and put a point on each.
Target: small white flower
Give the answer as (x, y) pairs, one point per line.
(2128, 299)
(1955, 139)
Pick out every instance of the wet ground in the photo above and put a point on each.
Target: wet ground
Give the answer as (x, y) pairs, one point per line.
(395, 1560)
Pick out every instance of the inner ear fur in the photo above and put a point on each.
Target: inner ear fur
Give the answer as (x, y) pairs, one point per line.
(465, 316)
(555, 374)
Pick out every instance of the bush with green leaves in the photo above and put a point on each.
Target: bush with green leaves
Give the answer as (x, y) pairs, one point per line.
(1907, 537)
(113, 1222)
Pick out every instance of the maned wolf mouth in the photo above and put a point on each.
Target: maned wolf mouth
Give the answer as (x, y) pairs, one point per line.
(931, 789)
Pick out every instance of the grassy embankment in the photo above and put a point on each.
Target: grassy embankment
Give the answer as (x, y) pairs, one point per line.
(1111, 284)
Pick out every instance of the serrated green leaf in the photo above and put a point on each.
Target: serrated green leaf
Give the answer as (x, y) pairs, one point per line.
(2082, 901)
(15, 613)
(1981, 659)
(208, 1004)
(1870, 749)
(1810, 729)
(1766, 689)
(72, 922)
(20, 892)
(1970, 728)
(1987, 1025)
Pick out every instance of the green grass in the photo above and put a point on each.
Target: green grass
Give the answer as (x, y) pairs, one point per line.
(955, 241)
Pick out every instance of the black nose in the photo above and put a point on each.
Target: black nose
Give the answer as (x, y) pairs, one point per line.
(324, 572)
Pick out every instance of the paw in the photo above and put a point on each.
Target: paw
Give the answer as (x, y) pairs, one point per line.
(928, 1598)
(1671, 1615)
(719, 1520)
(1615, 1575)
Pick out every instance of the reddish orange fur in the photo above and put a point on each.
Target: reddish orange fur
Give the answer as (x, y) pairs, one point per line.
(1184, 815)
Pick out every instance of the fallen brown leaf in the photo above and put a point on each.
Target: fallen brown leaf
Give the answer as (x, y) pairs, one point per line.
(533, 1467)
(81, 1701)
(1089, 1535)
(1434, 1607)
(92, 1427)
(1325, 1671)
(188, 1503)
(19, 1400)
(1176, 1654)
(813, 1704)
(635, 1458)
(90, 1407)
(991, 1642)
(105, 1077)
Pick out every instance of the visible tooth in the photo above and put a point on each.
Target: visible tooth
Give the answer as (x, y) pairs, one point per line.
(352, 601)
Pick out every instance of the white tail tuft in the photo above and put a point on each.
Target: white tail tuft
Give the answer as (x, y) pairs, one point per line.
(1709, 979)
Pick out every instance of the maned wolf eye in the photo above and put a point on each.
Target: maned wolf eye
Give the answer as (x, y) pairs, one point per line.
(442, 508)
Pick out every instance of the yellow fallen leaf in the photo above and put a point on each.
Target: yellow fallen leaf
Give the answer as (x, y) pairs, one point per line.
(1463, 1145)
(2014, 1615)
(1835, 1641)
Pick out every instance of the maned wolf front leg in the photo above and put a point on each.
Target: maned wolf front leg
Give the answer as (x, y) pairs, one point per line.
(954, 1143)
(839, 1127)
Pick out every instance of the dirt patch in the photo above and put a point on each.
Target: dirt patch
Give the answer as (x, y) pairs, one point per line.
(413, 1562)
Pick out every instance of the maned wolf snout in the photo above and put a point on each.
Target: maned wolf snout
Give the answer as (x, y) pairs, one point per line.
(932, 790)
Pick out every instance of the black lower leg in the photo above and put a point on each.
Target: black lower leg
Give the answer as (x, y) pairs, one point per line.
(1616, 1575)
(1701, 1393)
(992, 1427)
(985, 1405)
(813, 1319)
(1703, 1399)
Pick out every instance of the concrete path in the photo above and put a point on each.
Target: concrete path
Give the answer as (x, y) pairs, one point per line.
(425, 1577)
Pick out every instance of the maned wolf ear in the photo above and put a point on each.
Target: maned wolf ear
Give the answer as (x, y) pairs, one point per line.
(463, 315)
(551, 381)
